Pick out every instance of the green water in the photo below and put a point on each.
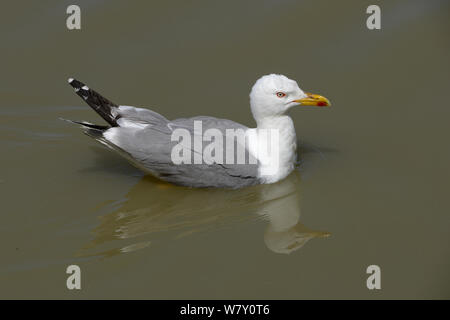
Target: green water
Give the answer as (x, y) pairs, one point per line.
(373, 188)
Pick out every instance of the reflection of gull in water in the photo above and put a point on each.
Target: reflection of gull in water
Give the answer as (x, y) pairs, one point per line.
(140, 219)
(281, 206)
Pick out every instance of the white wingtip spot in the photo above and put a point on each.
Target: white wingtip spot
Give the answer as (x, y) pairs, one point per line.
(85, 87)
(70, 80)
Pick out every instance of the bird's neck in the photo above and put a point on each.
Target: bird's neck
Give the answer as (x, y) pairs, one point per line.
(282, 159)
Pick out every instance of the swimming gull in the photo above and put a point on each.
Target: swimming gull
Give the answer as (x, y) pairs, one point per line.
(149, 140)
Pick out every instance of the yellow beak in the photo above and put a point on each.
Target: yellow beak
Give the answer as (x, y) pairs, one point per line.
(314, 100)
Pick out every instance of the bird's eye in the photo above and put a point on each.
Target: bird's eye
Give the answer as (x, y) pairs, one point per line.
(281, 94)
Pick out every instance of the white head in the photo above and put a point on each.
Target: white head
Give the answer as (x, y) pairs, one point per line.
(274, 94)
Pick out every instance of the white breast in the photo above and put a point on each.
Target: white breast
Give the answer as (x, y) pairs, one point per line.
(274, 144)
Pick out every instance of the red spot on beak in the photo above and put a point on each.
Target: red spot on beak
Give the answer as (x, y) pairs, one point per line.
(321, 104)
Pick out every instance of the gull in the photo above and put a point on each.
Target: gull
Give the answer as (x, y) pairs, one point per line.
(145, 137)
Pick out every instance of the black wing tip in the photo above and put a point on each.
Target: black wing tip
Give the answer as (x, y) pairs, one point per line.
(86, 124)
(77, 84)
(100, 104)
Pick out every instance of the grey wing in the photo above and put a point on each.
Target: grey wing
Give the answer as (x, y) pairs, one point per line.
(146, 138)
(128, 116)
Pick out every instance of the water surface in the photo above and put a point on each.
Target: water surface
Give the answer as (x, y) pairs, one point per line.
(372, 188)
